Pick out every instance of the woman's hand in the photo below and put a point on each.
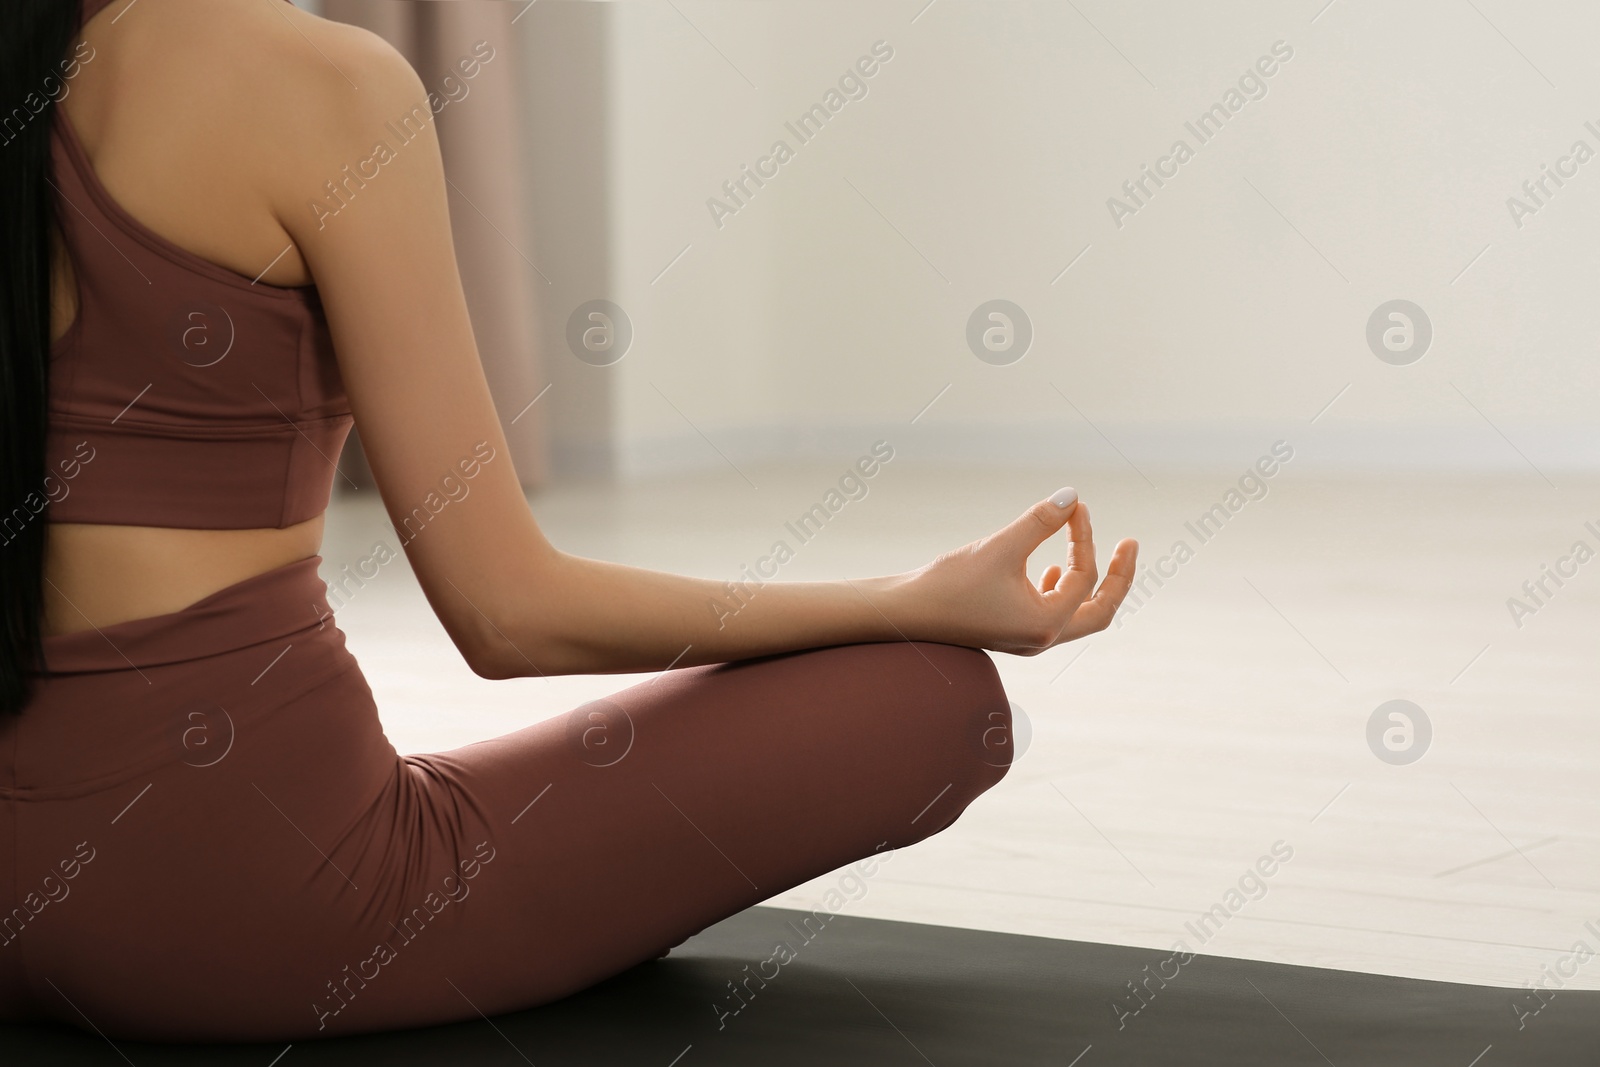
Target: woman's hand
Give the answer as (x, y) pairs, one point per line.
(979, 595)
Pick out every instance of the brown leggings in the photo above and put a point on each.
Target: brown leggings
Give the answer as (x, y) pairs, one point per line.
(205, 835)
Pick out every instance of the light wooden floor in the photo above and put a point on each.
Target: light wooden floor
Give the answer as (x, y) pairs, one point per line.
(1229, 713)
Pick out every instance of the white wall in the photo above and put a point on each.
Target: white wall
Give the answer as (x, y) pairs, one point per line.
(1201, 329)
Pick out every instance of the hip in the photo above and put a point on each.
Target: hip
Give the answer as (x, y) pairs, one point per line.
(187, 689)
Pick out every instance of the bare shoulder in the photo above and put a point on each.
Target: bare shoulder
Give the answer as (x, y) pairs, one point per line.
(248, 104)
(250, 57)
(276, 94)
(309, 84)
(316, 72)
(336, 92)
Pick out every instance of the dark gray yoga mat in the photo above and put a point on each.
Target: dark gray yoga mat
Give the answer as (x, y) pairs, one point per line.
(867, 991)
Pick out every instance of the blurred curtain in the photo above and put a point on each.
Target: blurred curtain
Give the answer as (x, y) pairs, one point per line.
(479, 135)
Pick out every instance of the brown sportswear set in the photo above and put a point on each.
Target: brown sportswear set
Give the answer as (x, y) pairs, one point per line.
(204, 833)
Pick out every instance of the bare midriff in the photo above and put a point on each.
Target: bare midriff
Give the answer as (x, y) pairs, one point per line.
(98, 575)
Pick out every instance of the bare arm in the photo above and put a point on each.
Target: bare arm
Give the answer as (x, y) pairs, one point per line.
(514, 604)
(617, 618)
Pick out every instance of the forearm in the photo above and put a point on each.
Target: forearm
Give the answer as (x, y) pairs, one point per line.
(595, 617)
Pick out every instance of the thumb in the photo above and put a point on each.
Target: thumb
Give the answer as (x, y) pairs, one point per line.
(1029, 530)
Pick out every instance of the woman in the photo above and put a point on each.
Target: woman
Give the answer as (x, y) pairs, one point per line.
(205, 833)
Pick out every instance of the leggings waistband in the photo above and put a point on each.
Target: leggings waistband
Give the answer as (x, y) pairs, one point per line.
(133, 697)
(260, 608)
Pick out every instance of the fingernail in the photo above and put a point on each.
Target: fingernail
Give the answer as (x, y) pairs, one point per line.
(1064, 498)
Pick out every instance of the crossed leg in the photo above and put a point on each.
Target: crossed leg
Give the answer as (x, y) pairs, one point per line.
(315, 883)
(680, 801)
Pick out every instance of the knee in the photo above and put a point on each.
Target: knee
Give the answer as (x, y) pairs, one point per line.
(967, 723)
(952, 734)
(977, 712)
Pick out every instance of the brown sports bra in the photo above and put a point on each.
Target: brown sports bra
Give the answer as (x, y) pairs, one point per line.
(183, 394)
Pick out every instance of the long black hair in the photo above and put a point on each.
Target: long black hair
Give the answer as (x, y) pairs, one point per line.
(34, 36)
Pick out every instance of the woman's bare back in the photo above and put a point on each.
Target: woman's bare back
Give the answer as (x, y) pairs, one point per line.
(173, 107)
